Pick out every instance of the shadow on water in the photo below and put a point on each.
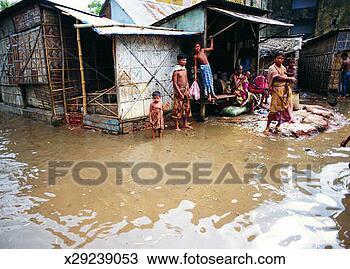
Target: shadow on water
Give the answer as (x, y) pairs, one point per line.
(310, 211)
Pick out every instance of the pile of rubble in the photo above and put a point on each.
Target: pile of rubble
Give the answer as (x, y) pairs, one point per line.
(308, 121)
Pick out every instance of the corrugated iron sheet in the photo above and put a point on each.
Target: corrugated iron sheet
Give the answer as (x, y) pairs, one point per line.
(104, 26)
(146, 12)
(87, 18)
(252, 18)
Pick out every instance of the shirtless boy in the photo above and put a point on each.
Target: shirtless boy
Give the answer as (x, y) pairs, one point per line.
(201, 58)
(345, 74)
(182, 106)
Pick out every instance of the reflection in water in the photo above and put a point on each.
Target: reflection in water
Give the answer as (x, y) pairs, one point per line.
(306, 212)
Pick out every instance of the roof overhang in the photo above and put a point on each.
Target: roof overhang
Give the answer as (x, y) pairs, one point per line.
(251, 18)
(126, 29)
(104, 26)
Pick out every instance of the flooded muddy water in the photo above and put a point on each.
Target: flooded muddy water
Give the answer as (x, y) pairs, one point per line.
(311, 210)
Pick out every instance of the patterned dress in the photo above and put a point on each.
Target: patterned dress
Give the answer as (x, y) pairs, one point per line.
(157, 118)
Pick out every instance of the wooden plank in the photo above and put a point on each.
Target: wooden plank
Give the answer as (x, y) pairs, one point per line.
(102, 122)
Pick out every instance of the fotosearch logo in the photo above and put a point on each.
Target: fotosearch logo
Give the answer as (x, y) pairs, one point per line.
(92, 173)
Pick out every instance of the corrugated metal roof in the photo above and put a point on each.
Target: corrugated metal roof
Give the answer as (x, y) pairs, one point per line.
(147, 12)
(104, 26)
(286, 45)
(252, 18)
(223, 4)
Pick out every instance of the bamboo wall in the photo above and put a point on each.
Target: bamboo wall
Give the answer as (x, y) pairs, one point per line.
(39, 59)
(22, 54)
(320, 62)
(315, 65)
(144, 64)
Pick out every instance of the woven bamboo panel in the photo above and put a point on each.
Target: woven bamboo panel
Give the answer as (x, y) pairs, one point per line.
(27, 18)
(144, 64)
(23, 58)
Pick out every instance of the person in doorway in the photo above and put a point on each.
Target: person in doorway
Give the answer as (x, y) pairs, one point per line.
(156, 116)
(237, 78)
(201, 59)
(345, 75)
(281, 94)
(182, 106)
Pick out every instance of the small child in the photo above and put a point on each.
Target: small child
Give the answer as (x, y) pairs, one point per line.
(260, 86)
(291, 71)
(291, 68)
(246, 80)
(156, 116)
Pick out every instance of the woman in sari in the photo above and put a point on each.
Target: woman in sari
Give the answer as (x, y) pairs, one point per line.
(281, 94)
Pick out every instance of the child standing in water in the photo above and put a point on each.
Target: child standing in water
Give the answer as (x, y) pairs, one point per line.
(182, 105)
(156, 116)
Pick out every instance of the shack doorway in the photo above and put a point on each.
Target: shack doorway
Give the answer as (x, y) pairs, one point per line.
(235, 43)
(99, 79)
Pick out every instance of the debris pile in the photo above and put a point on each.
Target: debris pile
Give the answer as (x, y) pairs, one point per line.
(309, 121)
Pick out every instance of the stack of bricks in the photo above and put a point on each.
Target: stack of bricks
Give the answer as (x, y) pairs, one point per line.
(142, 124)
(136, 125)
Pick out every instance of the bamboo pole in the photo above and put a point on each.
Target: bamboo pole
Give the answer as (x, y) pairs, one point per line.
(49, 72)
(63, 67)
(102, 105)
(101, 94)
(83, 85)
(225, 29)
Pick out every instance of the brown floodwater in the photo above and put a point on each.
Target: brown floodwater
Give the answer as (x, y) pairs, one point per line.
(311, 210)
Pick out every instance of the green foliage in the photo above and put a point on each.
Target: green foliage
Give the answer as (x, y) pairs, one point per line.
(5, 4)
(95, 7)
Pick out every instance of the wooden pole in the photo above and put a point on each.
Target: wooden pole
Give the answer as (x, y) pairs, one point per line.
(81, 63)
(63, 67)
(205, 37)
(53, 108)
(225, 29)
